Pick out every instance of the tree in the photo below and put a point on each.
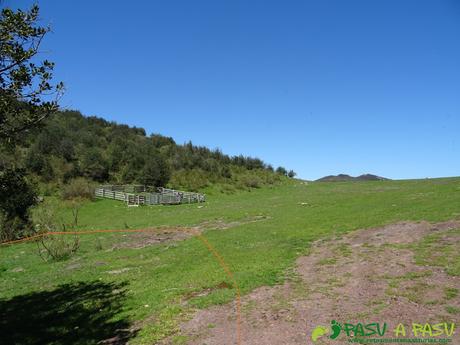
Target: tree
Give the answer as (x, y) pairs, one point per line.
(160, 140)
(291, 173)
(27, 96)
(38, 163)
(156, 172)
(18, 195)
(94, 165)
(281, 171)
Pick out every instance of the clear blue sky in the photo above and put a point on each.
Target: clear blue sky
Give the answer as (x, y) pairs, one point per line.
(321, 87)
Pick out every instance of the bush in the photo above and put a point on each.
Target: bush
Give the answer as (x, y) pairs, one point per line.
(13, 228)
(227, 188)
(251, 181)
(78, 188)
(49, 189)
(244, 179)
(291, 173)
(281, 171)
(191, 180)
(57, 247)
(54, 247)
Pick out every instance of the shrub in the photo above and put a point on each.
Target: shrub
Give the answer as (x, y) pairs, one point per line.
(78, 188)
(227, 188)
(191, 180)
(98, 244)
(281, 171)
(13, 228)
(54, 247)
(49, 189)
(251, 181)
(58, 247)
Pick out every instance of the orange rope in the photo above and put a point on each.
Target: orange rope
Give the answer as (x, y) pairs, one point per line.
(195, 232)
(235, 285)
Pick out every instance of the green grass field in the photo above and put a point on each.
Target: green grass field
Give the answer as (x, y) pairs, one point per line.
(271, 228)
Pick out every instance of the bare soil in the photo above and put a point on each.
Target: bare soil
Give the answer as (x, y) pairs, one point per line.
(366, 276)
(156, 236)
(221, 224)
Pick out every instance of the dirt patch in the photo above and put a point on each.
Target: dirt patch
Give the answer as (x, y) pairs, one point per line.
(221, 224)
(205, 292)
(403, 232)
(154, 236)
(366, 276)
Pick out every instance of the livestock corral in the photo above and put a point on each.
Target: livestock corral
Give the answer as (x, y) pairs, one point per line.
(135, 195)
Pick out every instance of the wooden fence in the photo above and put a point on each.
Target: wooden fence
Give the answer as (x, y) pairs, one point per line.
(146, 195)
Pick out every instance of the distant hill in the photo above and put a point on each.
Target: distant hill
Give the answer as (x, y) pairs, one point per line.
(344, 177)
(336, 178)
(370, 177)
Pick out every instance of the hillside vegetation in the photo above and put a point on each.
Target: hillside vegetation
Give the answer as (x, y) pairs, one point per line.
(69, 145)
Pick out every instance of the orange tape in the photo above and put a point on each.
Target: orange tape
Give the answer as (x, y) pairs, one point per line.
(195, 232)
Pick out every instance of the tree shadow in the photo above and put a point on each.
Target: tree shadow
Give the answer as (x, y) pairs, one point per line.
(72, 314)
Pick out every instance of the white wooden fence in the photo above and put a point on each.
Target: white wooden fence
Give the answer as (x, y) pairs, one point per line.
(142, 195)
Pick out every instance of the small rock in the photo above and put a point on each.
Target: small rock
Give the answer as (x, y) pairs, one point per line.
(119, 271)
(18, 269)
(73, 266)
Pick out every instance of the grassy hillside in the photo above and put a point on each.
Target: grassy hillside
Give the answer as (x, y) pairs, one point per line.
(259, 233)
(70, 145)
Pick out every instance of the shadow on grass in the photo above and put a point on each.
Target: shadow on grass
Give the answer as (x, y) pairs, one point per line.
(74, 314)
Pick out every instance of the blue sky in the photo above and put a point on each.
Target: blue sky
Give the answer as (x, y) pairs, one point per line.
(321, 87)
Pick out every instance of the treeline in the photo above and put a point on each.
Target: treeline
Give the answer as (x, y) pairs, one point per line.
(69, 145)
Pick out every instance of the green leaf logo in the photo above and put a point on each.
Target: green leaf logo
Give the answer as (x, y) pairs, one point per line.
(318, 332)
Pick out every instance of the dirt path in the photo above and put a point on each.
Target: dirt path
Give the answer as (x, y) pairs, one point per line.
(367, 276)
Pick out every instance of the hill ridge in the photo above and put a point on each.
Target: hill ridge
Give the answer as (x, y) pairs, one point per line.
(346, 177)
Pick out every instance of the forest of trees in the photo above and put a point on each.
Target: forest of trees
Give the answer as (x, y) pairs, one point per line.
(69, 145)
